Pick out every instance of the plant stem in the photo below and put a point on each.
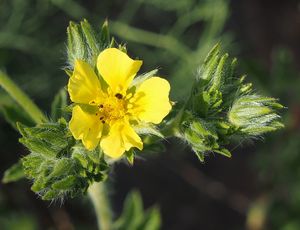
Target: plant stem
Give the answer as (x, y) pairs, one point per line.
(172, 127)
(100, 200)
(22, 99)
(149, 38)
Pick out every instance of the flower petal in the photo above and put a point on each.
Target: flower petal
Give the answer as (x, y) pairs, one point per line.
(121, 138)
(117, 68)
(85, 126)
(84, 85)
(151, 101)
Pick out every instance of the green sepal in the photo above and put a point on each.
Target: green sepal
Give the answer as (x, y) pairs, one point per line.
(84, 43)
(105, 39)
(76, 48)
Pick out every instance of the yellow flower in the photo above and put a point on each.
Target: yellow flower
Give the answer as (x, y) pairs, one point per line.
(108, 107)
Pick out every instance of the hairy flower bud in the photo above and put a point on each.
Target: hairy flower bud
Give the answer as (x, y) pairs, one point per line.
(222, 106)
(57, 165)
(255, 115)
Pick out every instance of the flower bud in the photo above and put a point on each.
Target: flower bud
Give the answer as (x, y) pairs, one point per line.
(255, 115)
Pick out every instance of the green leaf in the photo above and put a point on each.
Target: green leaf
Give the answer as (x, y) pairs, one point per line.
(200, 156)
(152, 220)
(14, 173)
(22, 99)
(130, 156)
(58, 105)
(13, 114)
(105, 40)
(223, 152)
(134, 217)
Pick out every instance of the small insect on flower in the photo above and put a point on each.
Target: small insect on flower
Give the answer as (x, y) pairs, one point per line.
(109, 106)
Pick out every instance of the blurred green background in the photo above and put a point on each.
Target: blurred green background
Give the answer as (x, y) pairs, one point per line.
(259, 188)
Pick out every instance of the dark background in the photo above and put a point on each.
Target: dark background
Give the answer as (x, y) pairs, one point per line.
(259, 188)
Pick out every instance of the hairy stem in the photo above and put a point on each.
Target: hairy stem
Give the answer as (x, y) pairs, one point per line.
(22, 99)
(100, 200)
(171, 129)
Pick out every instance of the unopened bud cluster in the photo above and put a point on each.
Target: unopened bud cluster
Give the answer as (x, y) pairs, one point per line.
(222, 107)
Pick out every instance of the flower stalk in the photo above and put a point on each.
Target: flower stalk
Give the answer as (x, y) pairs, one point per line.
(98, 195)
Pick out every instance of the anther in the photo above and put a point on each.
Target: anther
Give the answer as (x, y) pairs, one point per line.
(103, 122)
(119, 96)
(101, 106)
(101, 118)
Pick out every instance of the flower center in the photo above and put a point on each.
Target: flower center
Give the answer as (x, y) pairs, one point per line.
(113, 108)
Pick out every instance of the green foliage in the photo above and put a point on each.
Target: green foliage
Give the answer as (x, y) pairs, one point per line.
(16, 221)
(222, 106)
(84, 43)
(13, 113)
(59, 105)
(20, 97)
(134, 217)
(57, 165)
(14, 173)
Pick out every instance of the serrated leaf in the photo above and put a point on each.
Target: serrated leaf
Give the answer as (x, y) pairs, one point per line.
(65, 183)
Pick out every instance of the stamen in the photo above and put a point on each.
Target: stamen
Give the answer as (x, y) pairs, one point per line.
(103, 122)
(101, 106)
(101, 118)
(119, 96)
(128, 96)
